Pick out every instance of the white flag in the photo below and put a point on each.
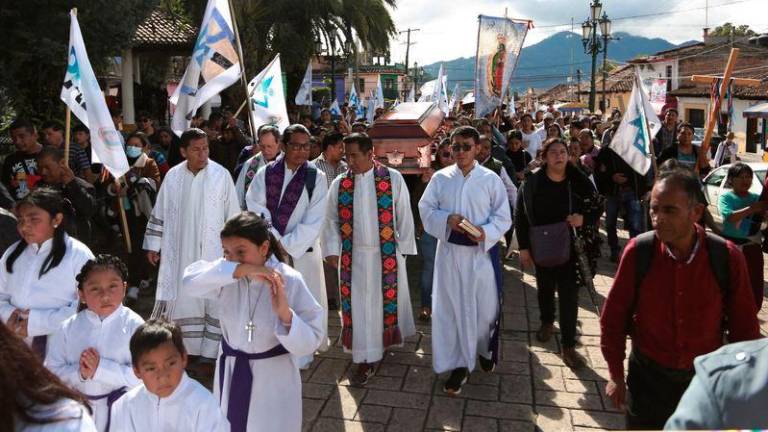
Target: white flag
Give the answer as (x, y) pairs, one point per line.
(454, 97)
(379, 94)
(335, 109)
(304, 95)
(632, 140)
(437, 91)
(214, 66)
(82, 94)
(355, 104)
(412, 94)
(267, 97)
(371, 110)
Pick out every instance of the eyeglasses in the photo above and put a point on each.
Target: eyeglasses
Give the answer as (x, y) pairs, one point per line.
(299, 147)
(446, 154)
(461, 147)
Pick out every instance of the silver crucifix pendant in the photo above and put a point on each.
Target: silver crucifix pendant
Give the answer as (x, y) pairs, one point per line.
(249, 328)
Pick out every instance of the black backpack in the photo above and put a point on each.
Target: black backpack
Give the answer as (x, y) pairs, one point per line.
(719, 260)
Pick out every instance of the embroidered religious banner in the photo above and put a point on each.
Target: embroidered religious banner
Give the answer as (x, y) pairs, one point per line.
(499, 41)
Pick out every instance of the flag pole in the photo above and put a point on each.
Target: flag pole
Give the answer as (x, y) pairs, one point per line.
(67, 135)
(242, 72)
(68, 120)
(123, 219)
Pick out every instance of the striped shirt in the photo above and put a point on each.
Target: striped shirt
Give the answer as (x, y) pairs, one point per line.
(330, 172)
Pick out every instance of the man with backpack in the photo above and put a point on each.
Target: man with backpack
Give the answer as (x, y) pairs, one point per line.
(678, 293)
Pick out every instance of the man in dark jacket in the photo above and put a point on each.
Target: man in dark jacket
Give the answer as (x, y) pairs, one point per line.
(623, 188)
(77, 193)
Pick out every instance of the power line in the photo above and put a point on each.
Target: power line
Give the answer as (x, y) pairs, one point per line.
(655, 14)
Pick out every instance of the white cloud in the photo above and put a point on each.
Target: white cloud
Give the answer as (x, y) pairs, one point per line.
(449, 27)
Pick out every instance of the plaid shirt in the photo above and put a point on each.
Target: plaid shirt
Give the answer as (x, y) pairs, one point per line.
(330, 172)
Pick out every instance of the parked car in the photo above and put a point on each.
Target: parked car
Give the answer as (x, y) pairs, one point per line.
(715, 185)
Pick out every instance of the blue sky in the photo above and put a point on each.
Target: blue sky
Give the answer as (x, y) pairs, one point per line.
(449, 27)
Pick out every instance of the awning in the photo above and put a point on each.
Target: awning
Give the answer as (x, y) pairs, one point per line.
(757, 111)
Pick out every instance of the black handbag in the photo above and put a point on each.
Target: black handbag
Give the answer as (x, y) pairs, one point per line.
(551, 243)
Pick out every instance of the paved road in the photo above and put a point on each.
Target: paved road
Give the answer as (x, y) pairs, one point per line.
(530, 389)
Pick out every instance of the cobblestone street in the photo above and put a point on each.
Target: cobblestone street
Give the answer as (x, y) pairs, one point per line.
(530, 390)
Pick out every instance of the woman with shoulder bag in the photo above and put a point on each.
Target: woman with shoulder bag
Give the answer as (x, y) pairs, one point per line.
(554, 203)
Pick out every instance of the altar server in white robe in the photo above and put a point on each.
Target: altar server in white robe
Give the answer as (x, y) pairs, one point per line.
(271, 321)
(466, 294)
(196, 198)
(168, 400)
(370, 226)
(291, 194)
(90, 352)
(38, 286)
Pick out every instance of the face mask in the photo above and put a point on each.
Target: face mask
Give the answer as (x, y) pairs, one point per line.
(133, 152)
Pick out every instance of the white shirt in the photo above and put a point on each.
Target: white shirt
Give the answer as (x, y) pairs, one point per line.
(190, 408)
(532, 142)
(110, 337)
(52, 298)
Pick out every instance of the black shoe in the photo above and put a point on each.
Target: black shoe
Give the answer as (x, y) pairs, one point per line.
(487, 365)
(333, 304)
(457, 379)
(364, 371)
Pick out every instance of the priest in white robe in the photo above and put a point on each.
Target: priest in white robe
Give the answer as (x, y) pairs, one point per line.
(275, 402)
(466, 294)
(377, 199)
(269, 144)
(196, 198)
(291, 194)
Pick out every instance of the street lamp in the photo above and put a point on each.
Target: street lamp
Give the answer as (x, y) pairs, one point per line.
(592, 43)
(605, 29)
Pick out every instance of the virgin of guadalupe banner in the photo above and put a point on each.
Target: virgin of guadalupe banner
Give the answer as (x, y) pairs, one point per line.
(499, 41)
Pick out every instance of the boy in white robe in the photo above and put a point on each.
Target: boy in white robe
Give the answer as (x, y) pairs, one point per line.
(168, 400)
(367, 294)
(196, 198)
(466, 292)
(272, 320)
(284, 193)
(90, 352)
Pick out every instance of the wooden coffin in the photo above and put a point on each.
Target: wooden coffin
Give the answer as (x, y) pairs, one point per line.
(402, 138)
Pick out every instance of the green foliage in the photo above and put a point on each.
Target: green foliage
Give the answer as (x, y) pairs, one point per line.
(321, 93)
(727, 29)
(33, 55)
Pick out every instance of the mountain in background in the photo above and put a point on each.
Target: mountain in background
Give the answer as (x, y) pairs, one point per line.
(551, 61)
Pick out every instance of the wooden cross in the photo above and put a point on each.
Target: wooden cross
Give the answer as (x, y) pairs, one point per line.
(713, 112)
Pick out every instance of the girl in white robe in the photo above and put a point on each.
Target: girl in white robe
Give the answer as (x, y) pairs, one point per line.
(91, 353)
(267, 313)
(38, 290)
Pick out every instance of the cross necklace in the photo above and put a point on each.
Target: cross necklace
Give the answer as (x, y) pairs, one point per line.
(250, 327)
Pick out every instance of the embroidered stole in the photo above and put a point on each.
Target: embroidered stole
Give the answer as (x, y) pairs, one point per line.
(282, 209)
(251, 170)
(385, 206)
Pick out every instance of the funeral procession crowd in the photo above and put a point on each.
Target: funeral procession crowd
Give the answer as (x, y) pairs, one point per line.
(251, 240)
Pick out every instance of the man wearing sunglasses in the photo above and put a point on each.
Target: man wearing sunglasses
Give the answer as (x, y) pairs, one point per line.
(465, 206)
(290, 193)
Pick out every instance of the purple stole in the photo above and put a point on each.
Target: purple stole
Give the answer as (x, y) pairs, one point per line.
(282, 209)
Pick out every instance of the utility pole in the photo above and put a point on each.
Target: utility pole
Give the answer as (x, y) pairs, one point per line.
(578, 84)
(407, 52)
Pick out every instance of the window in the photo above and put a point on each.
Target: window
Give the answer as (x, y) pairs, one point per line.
(669, 78)
(360, 85)
(716, 178)
(695, 117)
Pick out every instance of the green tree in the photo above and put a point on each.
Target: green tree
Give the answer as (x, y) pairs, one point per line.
(33, 55)
(729, 29)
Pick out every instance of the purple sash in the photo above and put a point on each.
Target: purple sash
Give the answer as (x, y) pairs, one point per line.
(242, 381)
(111, 397)
(281, 209)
